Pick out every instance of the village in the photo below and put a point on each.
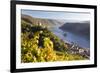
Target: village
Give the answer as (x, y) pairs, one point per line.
(76, 49)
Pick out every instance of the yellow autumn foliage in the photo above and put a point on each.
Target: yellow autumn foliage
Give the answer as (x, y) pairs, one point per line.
(32, 52)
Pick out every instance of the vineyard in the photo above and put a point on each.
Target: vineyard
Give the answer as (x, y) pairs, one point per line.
(38, 44)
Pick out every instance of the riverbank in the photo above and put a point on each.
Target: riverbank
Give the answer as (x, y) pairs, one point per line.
(75, 49)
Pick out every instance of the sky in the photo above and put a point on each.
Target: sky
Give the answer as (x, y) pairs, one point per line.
(77, 16)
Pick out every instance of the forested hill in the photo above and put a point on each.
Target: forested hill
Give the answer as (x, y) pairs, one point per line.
(79, 28)
(42, 21)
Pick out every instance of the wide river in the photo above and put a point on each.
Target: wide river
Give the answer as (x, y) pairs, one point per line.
(70, 37)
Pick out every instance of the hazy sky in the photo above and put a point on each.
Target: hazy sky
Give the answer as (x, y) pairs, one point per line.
(77, 16)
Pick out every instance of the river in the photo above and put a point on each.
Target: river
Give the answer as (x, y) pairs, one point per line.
(70, 37)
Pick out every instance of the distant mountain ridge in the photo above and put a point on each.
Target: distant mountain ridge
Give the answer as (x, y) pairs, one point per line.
(82, 29)
(45, 22)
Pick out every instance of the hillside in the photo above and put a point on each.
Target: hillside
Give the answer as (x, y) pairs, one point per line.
(82, 28)
(45, 22)
(38, 44)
